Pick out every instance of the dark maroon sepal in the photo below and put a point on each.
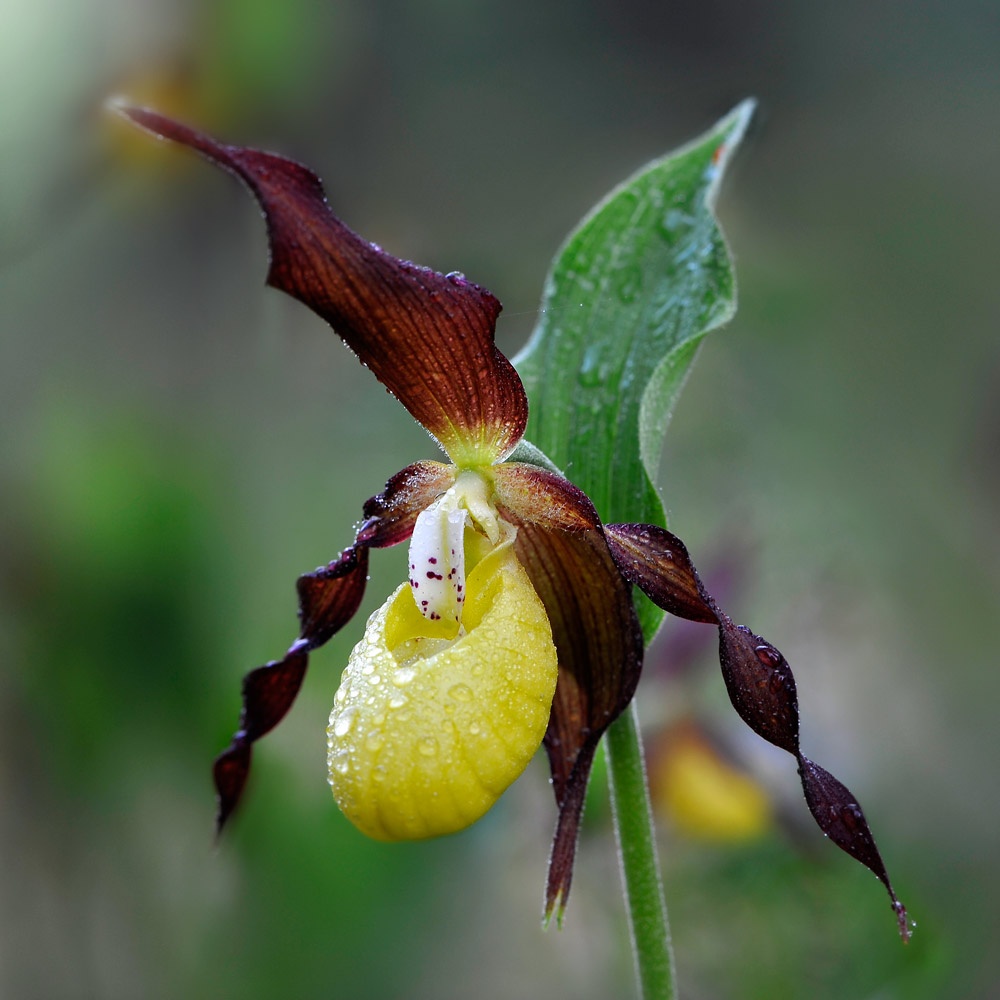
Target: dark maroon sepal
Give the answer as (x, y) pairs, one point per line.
(428, 337)
(563, 852)
(758, 679)
(599, 645)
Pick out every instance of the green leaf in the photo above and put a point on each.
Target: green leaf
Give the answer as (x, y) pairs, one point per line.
(632, 291)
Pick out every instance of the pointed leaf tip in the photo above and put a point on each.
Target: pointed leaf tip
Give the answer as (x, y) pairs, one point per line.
(641, 279)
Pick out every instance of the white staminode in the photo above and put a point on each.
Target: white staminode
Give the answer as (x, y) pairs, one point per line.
(437, 546)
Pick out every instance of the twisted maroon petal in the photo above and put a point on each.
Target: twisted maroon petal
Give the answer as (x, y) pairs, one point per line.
(758, 679)
(658, 564)
(328, 599)
(389, 517)
(428, 337)
(543, 498)
(760, 685)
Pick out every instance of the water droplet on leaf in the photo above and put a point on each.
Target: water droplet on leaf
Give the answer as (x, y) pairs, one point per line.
(591, 373)
(627, 283)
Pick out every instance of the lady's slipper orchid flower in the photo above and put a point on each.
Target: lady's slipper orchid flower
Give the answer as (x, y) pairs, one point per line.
(517, 625)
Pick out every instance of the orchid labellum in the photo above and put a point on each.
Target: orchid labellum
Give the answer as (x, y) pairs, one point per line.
(517, 625)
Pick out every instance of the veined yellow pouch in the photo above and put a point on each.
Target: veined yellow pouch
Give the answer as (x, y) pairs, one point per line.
(433, 720)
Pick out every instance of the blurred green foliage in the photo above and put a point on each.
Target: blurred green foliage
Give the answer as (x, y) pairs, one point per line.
(178, 443)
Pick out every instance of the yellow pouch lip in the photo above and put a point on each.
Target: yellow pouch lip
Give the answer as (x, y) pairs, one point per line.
(476, 707)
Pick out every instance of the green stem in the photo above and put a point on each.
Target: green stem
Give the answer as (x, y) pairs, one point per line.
(647, 910)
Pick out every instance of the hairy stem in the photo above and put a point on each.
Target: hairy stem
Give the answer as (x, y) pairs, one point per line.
(647, 910)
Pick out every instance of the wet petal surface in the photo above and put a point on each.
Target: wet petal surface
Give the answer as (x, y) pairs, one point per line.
(599, 642)
(328, 599)
(428, 337)
(758, 679)
(430, 725)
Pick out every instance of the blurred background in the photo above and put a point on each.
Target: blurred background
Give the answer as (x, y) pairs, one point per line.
(178, 443)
